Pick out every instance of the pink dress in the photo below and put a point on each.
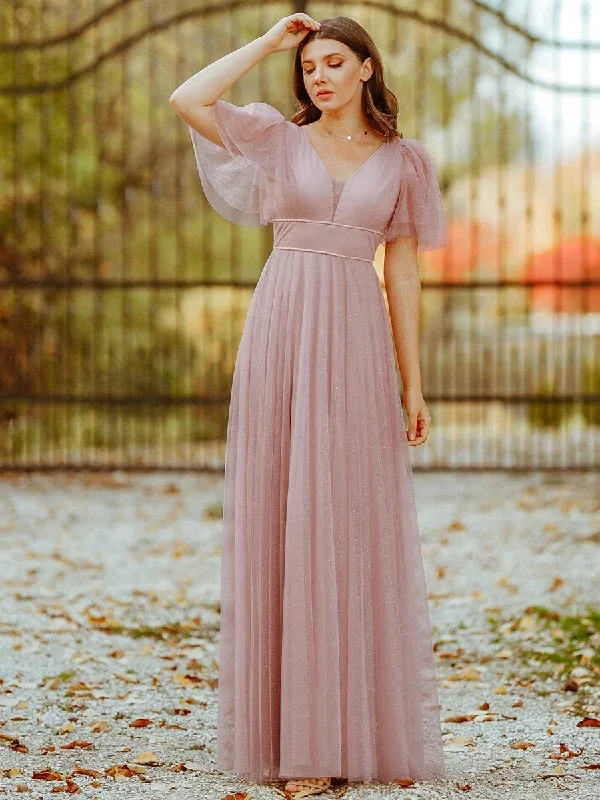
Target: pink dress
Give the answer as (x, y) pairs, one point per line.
(326, 665)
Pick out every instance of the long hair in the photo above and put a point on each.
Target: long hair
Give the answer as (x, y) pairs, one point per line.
(379, 103)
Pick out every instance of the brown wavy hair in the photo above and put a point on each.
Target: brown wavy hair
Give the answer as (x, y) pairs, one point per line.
(379, 103)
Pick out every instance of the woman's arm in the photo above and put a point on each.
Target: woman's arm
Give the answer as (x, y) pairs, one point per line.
(403, 289)
(191, 100)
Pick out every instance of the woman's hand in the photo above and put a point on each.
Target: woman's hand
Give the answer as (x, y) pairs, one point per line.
(419, 420)
(289, 31)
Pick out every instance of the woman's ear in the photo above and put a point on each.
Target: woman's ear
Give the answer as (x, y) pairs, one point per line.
(367, 68)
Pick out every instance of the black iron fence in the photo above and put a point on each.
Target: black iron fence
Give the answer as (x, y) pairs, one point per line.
(123, 295)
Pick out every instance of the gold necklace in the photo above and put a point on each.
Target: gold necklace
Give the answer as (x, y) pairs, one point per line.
(349, 138)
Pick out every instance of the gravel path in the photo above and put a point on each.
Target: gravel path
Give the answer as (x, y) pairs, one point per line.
(109, 629)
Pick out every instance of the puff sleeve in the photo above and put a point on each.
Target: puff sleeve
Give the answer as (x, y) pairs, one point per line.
(239, 179)
(419, 211)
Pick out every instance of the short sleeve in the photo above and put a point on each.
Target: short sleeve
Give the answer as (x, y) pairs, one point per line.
(239, 179)
(419, 211)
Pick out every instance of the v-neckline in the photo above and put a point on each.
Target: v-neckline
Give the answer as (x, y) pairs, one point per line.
(333, 180)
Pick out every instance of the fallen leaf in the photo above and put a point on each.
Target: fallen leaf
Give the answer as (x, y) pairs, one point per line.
(150, 759)
(565, 752)
(47, 775)
(461, 741)
(126, 678)
(589, 722)
(91, 773)
(70, 787)
(17, 746)
(558, 770)
(451, 654)
(466, 674)
(67, 728)
(184, 680)
(100, 727)
(528, 623)
(77, 745)
(137, 768)
(586, 656)
(119, 771)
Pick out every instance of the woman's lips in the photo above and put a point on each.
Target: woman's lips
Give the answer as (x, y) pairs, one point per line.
(324, 95)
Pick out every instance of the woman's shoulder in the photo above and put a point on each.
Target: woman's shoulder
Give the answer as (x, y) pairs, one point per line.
(408, 144)
(415, 152)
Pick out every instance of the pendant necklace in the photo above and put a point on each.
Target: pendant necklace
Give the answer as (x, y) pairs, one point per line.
(348, 137)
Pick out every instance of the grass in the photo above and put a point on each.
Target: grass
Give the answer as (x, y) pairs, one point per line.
(550, 647)
(172, 631)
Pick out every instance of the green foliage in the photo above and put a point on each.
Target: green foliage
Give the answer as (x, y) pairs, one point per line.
(591, 380)
(554, 413)
(100, 183)
(550, 414)
(553, 644)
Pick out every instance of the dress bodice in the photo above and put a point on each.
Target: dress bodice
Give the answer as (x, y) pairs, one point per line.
(268, 169)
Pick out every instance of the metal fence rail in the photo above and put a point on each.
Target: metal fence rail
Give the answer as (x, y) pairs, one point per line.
(123, 295)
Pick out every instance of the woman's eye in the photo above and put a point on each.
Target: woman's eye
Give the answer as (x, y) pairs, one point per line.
(308, 71)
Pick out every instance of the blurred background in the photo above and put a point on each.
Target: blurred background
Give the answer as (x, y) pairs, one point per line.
(123, 294)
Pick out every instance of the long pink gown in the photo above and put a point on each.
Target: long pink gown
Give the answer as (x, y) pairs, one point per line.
(326, 665)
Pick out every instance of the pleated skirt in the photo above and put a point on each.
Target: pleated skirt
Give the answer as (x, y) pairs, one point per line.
(326, 663)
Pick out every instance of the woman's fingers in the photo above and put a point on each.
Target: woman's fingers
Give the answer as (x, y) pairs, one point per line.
(419, 424)
(290, 30)
(303, 21)
(305, 18)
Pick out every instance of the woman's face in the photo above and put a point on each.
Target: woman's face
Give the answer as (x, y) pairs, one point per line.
(330, 66)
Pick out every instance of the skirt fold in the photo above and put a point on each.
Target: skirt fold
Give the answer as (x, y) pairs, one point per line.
(326, 661)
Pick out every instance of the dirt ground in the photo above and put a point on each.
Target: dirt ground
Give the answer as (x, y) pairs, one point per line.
(109, 624)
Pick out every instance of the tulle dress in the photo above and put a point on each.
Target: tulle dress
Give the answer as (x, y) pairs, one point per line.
(326, 665)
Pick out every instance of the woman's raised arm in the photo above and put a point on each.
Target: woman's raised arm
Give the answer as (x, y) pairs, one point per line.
(193, 97)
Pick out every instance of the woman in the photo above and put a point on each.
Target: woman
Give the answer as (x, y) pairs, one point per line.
(326, 665)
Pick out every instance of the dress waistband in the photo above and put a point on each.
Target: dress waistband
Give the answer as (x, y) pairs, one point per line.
(320, 236)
